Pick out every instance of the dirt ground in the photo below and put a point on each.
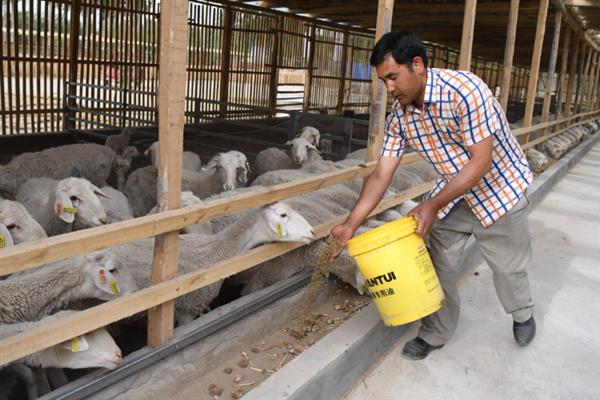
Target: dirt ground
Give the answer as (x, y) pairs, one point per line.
(240, 372)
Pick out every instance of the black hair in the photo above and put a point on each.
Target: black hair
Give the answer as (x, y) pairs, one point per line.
(404, 46)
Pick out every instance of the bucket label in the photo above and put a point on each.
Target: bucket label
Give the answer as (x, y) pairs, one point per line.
(381, 279)
(378, 294)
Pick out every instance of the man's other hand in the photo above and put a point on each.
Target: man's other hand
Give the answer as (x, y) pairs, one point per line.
(426, 215)
(343, 233)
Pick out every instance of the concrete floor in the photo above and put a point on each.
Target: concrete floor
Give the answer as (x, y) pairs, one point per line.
(482, 360)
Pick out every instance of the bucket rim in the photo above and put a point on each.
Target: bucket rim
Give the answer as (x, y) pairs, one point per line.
(381, 236)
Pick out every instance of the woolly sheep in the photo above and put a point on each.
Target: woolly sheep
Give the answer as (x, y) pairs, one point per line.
(118, 143)
(536, 159)
(21, 225)
(6, 239)
(95, 349)
(31, 296)
(57, 205)
(93, 162)
(140, 190)
(272, 159)
(311, 135)
(275, 222)
(302, 151)
(190, 160)
(422, 169)
(115, 205)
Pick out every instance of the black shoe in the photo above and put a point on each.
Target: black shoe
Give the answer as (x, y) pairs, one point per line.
(418, 349)
(524, 332)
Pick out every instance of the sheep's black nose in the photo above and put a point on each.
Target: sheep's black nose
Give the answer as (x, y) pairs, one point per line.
(103, 221)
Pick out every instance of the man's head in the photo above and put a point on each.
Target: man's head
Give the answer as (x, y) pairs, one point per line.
(401, 63)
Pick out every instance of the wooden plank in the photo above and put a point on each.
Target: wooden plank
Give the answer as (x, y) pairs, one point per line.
(273, 83)
(343, 68)
(171, 107)
(551, 135)
(535, 66)
(64, 329)
(583, 75)
(311, 62)
(593, 87)
(572, 73)
(552, 66)
(19, 258)
(377, 111)
(509, 50)
(466, 42)
(225, 60)
(563, 72)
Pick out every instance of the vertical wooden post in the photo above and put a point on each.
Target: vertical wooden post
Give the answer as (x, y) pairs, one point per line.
(563, 72)
(572, 72)
(582, 74)
(509, 50)
(466, 42)
(225, 60)
(552, 67)
(340, 102)
(275, 63)
(73, 57)
(171, 107)
(588, 77)
(592, 86)
(385, 10)
(535, 66)
(311, 62)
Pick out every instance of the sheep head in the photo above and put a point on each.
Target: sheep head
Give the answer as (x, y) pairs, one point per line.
(232, 169)
(311, 135)
(106, 276)
(300, 150)
(77, 198)
(287, 225)
(20, 224)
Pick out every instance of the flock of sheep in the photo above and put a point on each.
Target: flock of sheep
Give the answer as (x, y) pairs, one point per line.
(65, 188)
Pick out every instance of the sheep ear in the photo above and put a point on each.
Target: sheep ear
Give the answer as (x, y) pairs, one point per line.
(312, 147)
(63, 207)
(106, 281)
(247, 165)
(5, 237)
(288, 143)
(75, 345)
(100, 192)
(212, 164)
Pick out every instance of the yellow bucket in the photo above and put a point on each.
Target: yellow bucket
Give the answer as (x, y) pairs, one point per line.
(398, 272)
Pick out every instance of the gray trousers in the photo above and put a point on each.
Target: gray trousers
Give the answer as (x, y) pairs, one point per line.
(505, 246)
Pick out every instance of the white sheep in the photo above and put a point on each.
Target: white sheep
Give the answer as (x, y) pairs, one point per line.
(95, 349)
(311, 135)
(272, 159)
(30, 296)
(225, 171)
(275, 222)
(421, 168)
(93, 162)
(537, 160)
(303, 152)
(19, 223)
(6, 239)
(118, 143)
(57, 205)
(190, 160)
(115, 205)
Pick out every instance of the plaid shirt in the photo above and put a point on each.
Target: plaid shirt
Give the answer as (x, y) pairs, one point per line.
(459, 111)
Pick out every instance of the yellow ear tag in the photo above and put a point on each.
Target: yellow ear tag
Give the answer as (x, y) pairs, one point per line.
(279, 230)
(115, 287)
(75, 344)
(1, 241)
(70, 210)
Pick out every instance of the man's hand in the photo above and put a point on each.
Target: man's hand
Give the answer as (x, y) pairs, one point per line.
(426, 215)
(343, 233)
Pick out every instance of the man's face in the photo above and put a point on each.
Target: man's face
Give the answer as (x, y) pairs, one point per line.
(404, 85)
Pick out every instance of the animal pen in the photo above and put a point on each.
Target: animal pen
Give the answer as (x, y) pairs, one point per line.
(247, 76)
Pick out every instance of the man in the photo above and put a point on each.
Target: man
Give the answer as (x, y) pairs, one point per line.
(453, 121)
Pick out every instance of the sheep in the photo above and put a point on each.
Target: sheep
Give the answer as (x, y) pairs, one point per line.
(57, 205)
(33, 295)
(275, 222)
(93, 162)
(422, 168)
(537, 160)
(302, 151)
(311, 135)
(202, 228)
(272, 159)
(95, 349)
(118, 143)
(190, 160)
(19, 223)
(115, 205)
(225, 171)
